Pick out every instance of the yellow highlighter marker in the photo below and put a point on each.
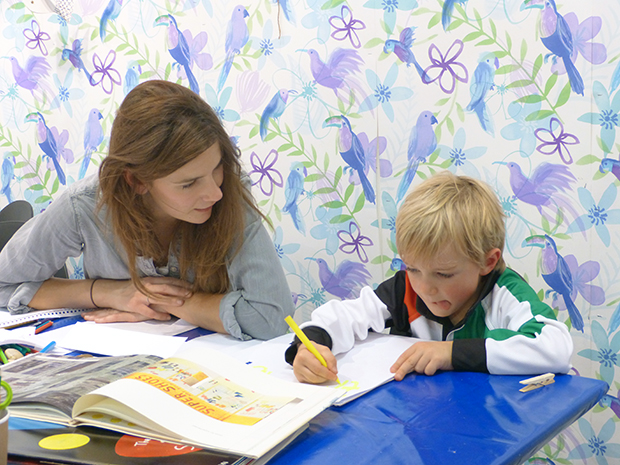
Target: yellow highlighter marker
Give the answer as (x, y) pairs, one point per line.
(305, 341)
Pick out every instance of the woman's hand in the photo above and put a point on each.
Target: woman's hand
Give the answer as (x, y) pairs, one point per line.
(122, 301)
(424, 357)
(308, 369)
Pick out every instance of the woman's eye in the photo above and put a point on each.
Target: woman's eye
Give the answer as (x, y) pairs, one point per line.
(187, 186)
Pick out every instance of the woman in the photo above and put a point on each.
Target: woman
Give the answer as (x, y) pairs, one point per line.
(166, 228)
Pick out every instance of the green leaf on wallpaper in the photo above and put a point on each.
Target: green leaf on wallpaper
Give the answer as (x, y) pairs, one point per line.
(442, 101)
(523, 50)
(445, 164)
(534, 98)
(19, 165)
(340, 219)
(359, 204)
(326, 163)
(253, 132)
(506, 69)
(602, 145)
(167, 71)
(237, 66)
(537, 65)
(422, 175)
(259, 17)
(538, 115)
(546, 227)
(598, 175)
(493, 29)
(314, 177)
(121, 47)
(471, 36)
(294, 153)
(564, 95)
(324, 190)
(17, 6)
(314, 154)
(147, 74)
(43, 199)
(435, 19)
(36, 187)
(508, 41)
(263, 202)
(550, 83)
(285, 147)
(302, 144)
(278, 212)
(269, 136)
(331, 4)
(373, 42)
(334, 204)
(450, 125)
(46, 176)
(460, 113)
(338, 175)
(388, 30)
(519, 83)
(55, 186)
(380, 259)
(422, 11)
(392, 247)
(348, 192)
(588, 160)
(455, 23)
(499, 54)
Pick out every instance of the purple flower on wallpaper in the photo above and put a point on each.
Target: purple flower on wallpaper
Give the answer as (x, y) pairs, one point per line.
(355, 241)
(582, 35)
(345, 26)
(445, 68)
(251, 91)
(36, 38)
(63, 153)
(104, 70)
(582, 275)
(203, 60)
(264, 172)
(552, 143)
(372, 149)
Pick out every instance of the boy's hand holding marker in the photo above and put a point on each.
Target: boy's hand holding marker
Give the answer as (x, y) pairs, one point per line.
(308, 369)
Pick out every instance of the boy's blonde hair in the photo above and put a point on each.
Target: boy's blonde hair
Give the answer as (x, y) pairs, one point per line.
(449, 209)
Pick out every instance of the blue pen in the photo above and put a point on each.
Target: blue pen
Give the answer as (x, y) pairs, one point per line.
(48, 347)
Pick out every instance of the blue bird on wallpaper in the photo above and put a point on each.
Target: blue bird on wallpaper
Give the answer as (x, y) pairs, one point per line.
(446, 11)
(556, 35)
(274, 109)
(352, 152)
(402, 49)
(612, 402)
(337, 71)
(93, 136)
(422, 142)
(557, 274)
(178, 48)
(293, 190)
(132, 76)
(345, 280)
(287, 8)
(111, 12)
(481, 84)
(237, 36)
(74, 55)
(7, 175)
(610, 164)
(31, 76)
(47, 143)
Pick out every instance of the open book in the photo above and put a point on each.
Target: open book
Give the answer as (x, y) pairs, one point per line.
(202, 398)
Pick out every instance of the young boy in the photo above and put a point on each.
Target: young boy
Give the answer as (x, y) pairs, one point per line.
(472, 312)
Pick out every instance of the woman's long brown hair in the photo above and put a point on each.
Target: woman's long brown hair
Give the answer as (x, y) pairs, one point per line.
(159, 127)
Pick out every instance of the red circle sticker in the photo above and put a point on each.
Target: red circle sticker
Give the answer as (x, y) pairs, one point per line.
(132, 446)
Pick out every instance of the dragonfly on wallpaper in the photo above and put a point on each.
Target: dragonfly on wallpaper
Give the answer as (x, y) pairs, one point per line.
(402, 49)
(337, 72)
(111, 12)
(237, 36)
(422, 142)
(480, 85)
(178, 48)
(93, 136)
(274, 109)
(558, 38)
(557, 274)
(31, 76)
(352, 152)
(74, 55)
(345, 280)
(47, 143)
(293, 190)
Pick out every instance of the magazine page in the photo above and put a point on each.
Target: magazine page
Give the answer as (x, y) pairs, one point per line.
(208, 399)
(57, 381)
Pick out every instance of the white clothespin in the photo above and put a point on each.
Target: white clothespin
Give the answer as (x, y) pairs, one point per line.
(537, 382)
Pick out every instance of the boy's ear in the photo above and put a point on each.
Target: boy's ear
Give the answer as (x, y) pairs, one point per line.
(491, 260)
(138, 186)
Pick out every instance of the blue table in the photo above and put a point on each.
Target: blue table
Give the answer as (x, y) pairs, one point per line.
(449, 418)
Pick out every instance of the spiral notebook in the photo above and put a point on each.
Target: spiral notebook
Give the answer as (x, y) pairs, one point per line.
(7, 320)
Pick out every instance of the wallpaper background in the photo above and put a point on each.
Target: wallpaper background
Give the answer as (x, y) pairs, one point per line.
(323, 97)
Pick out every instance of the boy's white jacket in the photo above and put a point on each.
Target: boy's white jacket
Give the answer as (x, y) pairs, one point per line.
(508, 331)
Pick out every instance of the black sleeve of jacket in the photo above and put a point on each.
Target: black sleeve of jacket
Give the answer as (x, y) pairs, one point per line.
(392, 293)
(469, 355)
(314, 333)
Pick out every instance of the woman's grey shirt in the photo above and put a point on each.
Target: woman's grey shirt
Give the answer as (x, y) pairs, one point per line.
(255, 307)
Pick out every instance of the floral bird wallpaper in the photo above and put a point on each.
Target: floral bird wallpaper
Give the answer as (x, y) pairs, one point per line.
(339, 107)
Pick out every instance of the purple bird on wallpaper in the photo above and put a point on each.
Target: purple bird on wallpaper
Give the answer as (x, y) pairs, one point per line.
(47, 143)
(348, 278)
(31, 76)
(274, 109)
(481, 84)
(422, 142)
(557, 274)
(178, 48)
(93, 136)
(337, 73)
(402, 49)
(74, 55)
(237, 36)
(294, 189)
(446, 11)
(111, 12)
(609, 164)
(556, 35)
(352, 152)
